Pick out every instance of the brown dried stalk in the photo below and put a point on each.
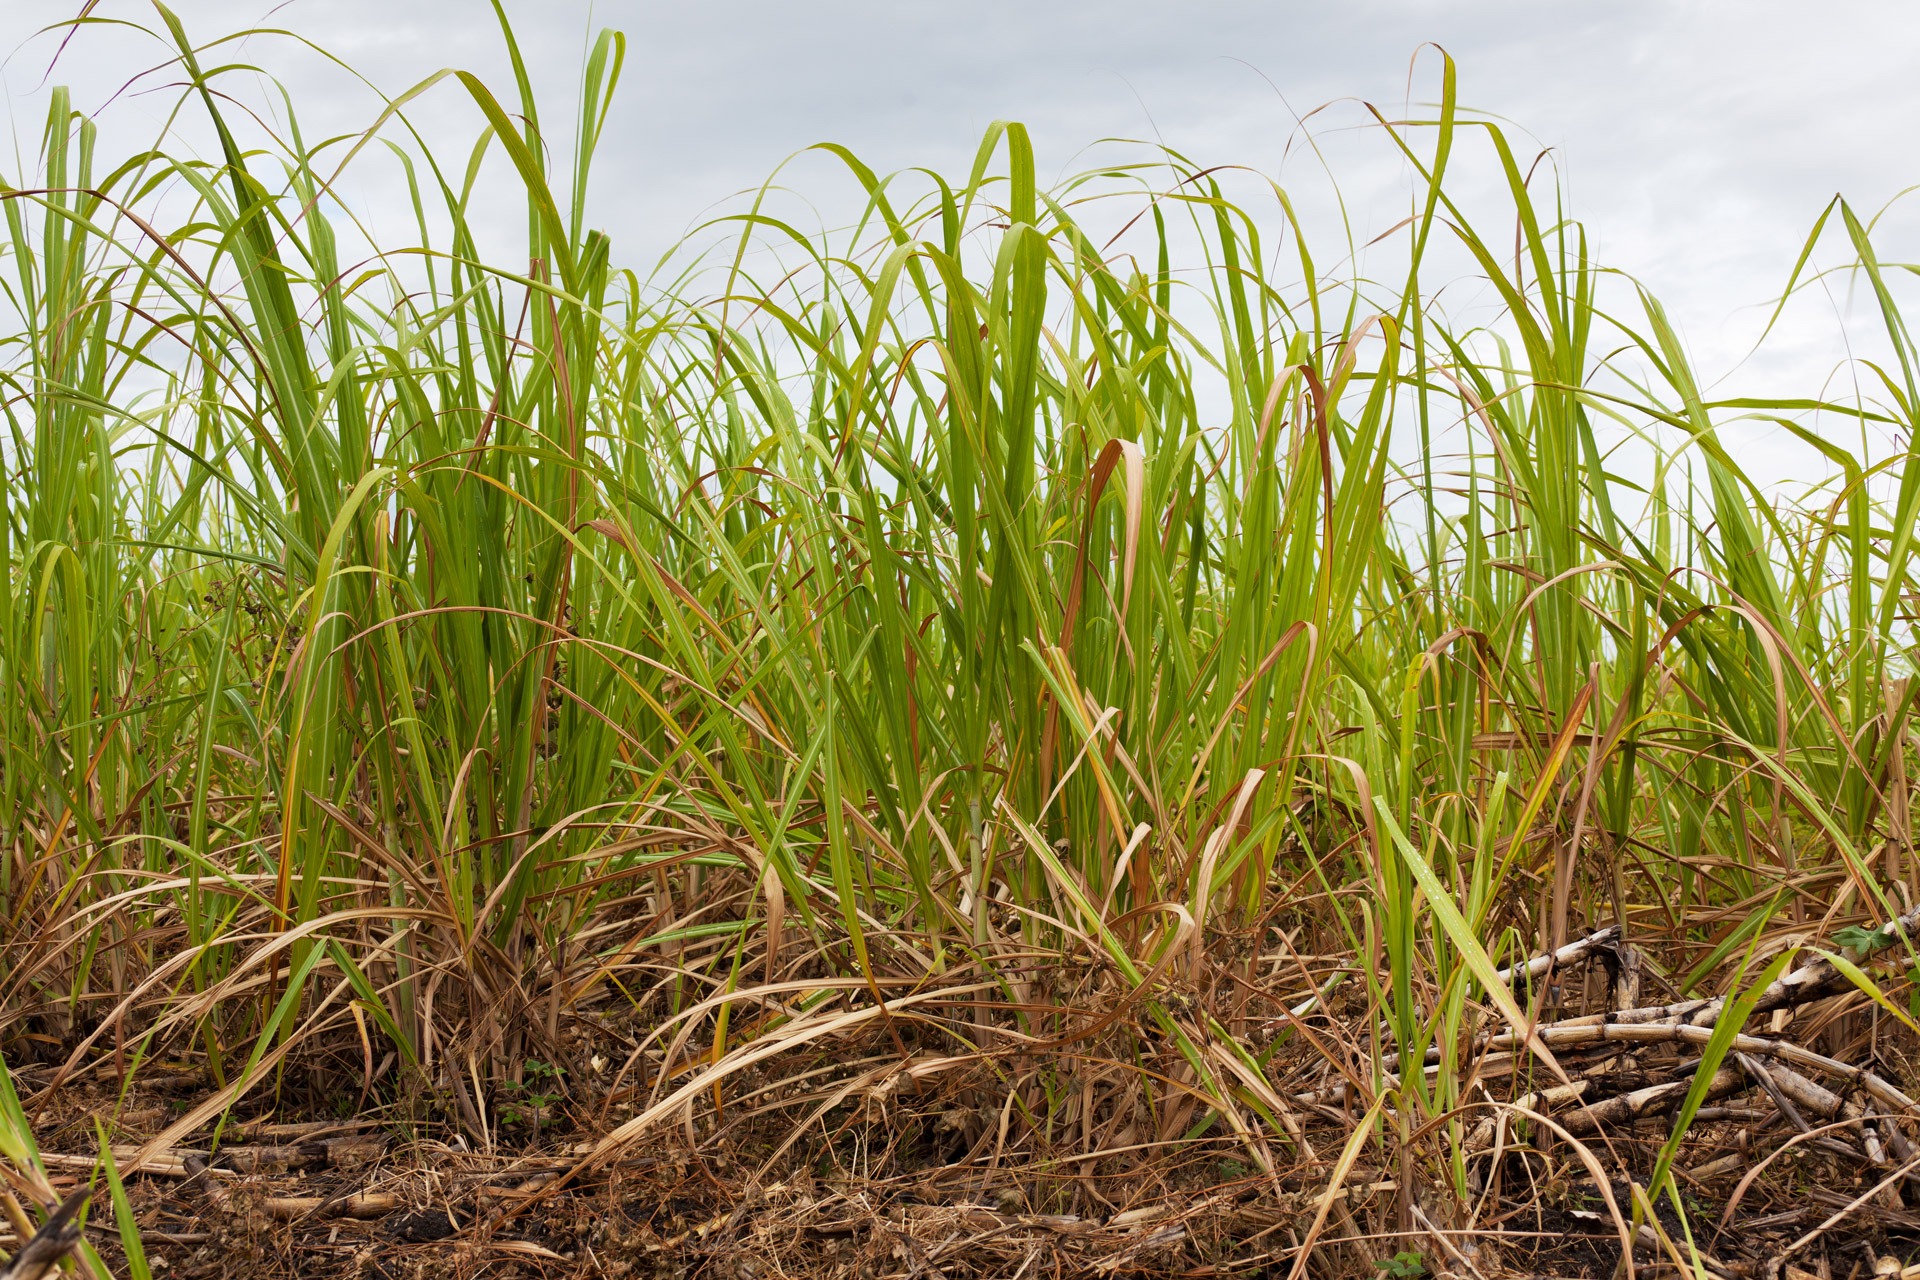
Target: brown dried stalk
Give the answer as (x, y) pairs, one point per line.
(1815, 980)
(56, 1238)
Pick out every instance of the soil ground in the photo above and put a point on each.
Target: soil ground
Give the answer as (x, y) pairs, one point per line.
(875, 1195)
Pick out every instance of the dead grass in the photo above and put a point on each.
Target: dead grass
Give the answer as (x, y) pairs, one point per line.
(871, 1154)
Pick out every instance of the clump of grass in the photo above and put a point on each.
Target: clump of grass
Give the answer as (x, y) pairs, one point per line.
(996, 654)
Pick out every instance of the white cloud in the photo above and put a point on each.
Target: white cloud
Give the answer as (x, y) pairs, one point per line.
(1700, 139)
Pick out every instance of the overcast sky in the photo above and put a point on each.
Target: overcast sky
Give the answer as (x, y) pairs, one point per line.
(1700, 140)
